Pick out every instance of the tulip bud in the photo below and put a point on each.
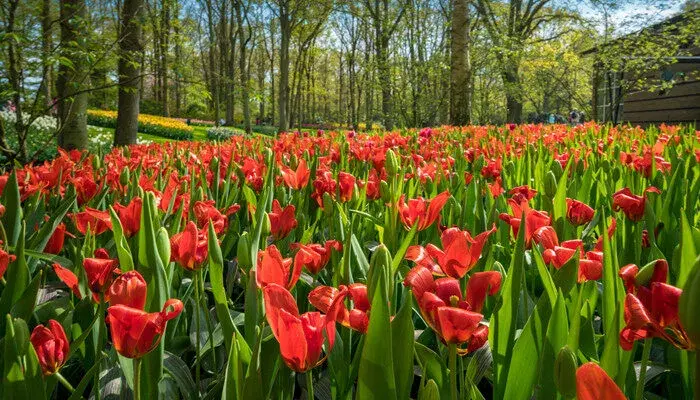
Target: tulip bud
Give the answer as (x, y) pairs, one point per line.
(266, 227)
(687, 311)
(380, 270)
(616, 174)
(214, 165)
(565, 372)
(327, 204)
(550, 184)
(556, 169)
(243, 251)
(392, 163)
(385, 192)
(163, 245)
(124, 177)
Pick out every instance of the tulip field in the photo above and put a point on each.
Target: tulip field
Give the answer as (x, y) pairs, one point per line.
(482, 262)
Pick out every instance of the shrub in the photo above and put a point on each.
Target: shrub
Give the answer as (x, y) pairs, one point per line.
(41, 140)
(221, 133)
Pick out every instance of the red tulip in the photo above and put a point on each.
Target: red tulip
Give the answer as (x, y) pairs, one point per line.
(455, 318)
(631, 204)
(347, 185)
(5, 260)
(130, 216)
(296, 179)
(578, 213)
(324, 183)
(611, 232)
(460, 252)
(590, 268)
(95, 220)
(55, 243)
(129, 289)
(282, 221)
(272, 268)
(534, 219)
(420, 211)
(205, 211)
(331, 301)
(315, 256)
(651, 306)
(301, 337)
(51, 346)
(189, 248)
(85, 187)
(135, 332)
(492, 169)
(100, 271)
(68, 277)
(522, 193)
(592, 383)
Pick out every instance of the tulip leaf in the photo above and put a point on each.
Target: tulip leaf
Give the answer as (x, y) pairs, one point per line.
(433, 368)
(688, 252)
(429, 392)
(504, 320)
(22, 375)
(18, 274)
(216, 276)
(180, 372)
(401, 252)
(12, 219)
(24, 307)
(41, 238)
(87, 378)
(376, 376)
(555, 339)
(559, 202)
(402, 347)
(126, 262)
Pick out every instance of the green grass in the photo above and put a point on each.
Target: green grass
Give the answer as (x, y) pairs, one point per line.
(200, 134)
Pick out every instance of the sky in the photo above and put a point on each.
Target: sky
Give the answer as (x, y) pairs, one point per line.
(630, 15)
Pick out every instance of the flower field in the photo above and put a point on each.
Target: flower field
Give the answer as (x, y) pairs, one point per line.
(171, 128)
(510, 262)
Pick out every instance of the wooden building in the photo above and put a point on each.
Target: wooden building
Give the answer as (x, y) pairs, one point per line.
(671, 93)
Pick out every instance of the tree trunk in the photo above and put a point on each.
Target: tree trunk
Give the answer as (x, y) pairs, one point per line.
(460, 65)
(71, 81)
(514, 103)
(243, 66)
(129, 69)
(286, 33)
(212, 62)
(165, 43)
(46, 51)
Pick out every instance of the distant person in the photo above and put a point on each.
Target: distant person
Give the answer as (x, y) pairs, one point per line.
(574, 117)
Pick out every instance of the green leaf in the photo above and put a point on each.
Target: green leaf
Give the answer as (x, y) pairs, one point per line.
(402, 347)
(41, 238)
(216, 276)
(24, 307)
(688, 252)
(126, 262)
(12, 220)
(180, 372)
(401, 252)
(504, 320)
(559, 202)
(434, 368)
(376, 376)
(22, 375)
(17, 274)
(429, 392)
(555, 339)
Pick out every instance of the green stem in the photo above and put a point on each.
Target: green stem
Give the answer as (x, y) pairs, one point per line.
(137, 379)
(309, 385)
(64, 382)
(639, 395)
(100, 340)
(697, 376)
(197, 326)
(210, 326)
(453, 370)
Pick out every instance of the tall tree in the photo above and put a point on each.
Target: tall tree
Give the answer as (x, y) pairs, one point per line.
(245, 33)
(72, 76)
(460, 64)
(129, 70)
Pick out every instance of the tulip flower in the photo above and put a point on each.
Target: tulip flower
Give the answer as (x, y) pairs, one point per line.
(611, 232)
(100, 271)
(272, 268)
(189, 248)
(522, 193)
(324, 183)
(590, 268)
(5, 260)
(534, 219)
(592, 383)
(129, 289)
(94, 220)
(135, 332)
(330, 301)
(130, 216)
(651, 306)
(301, 337)
(55, 243)
(314, 257)
(346, 182)
(556, 254)
(67, 277)
(630, 204)
(578, 213)
(296, 179)
(51, 346)
(420, 211)
(455, 318)
(205, 211)
(460, 252)
(282, 220)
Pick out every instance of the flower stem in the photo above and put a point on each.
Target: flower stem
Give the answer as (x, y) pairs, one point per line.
(100, 340)
(197, 327)
(453, 370)
(137, 379)
(210, 326)
(697, 376)
(309, 385)
(639, 395)
(64, 382)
